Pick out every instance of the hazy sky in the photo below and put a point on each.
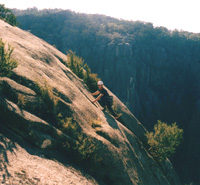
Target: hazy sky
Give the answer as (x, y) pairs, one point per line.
(173, 14)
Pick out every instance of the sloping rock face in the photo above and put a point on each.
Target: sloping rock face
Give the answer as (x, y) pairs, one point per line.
(117, 148)
(28, 165)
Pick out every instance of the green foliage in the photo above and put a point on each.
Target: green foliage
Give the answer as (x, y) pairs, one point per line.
(68, 126)
(168, 53)
(164, 140)
(7, 15)
(7, 63)
(49, 101)
(76, 64)
(84, 148)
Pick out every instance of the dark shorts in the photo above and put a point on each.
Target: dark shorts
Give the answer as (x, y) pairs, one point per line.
(104, 102)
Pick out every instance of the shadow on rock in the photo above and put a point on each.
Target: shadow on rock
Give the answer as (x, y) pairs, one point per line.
(5, 146)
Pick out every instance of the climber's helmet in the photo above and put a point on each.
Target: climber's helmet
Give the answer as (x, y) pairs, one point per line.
(100, 83)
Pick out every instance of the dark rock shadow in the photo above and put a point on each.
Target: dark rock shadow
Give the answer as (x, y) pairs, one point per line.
(5, 146)
(111, 120)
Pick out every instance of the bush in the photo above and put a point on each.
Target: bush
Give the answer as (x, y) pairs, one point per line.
(75, 64)
(68, 126)
(84, 149)
(164, 140)
(7, 63)
(7, 15)
(49, 101)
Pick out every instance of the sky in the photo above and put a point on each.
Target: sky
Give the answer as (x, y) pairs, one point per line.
(172, 14)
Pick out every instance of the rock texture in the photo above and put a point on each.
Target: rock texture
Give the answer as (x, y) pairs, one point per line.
(37, 153)
(28, 165)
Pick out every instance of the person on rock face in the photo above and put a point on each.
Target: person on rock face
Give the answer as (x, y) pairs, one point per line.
(104, 99)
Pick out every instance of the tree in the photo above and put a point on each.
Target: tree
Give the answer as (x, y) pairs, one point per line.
(164, 141)
(7, 15)
(7, 63)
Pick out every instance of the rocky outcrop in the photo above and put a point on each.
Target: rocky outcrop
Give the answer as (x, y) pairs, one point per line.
(117, 148)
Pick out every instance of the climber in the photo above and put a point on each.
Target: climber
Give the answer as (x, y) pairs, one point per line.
(104, 99)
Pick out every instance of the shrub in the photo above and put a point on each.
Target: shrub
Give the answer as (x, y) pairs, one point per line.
(49, 101)
(164, 140)
(84, 148)
(68, 126)
(76, 64)
(7, 63)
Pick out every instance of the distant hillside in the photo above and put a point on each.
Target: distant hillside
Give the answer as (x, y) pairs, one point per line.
(154, 71)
